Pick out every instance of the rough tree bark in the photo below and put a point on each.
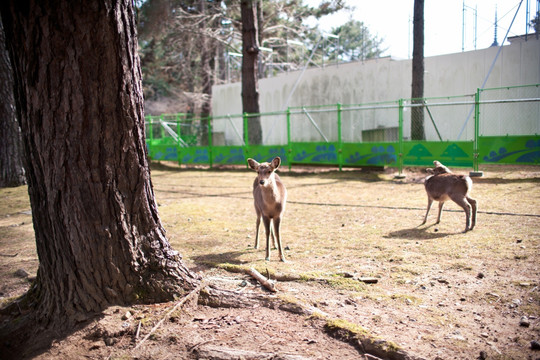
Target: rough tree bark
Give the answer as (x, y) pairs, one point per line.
(250, 58)
(417, 91)
(79, 98)
(11, 166)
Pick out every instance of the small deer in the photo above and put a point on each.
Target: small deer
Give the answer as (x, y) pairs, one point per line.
(270, 197)
(443, 185)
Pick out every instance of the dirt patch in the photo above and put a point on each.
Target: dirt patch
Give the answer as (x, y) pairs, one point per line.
(440, 293)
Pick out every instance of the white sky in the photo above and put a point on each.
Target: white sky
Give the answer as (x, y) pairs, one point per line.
(391, 20)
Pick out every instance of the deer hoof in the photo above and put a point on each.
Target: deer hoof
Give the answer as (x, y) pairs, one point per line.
(267, 258)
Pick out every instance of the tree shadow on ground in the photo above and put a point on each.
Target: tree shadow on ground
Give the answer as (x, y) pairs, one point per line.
(418, 233)
(23, 336)
(213, 260)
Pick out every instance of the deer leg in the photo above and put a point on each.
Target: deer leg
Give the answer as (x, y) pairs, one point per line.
(429, 203)
(467, 207)
(257, 224)
(273, 236)
(266, 222)
(277, 222)
(473, 205)
(441, 204)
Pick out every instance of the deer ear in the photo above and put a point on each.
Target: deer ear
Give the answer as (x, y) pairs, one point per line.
(436, 163)
(276, 162)
(253, 164)
(430, 171)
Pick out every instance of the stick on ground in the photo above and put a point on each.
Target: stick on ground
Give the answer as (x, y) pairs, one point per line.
(267, 284)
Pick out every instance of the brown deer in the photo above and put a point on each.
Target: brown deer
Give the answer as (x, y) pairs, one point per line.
(443, 185)
(270, 197)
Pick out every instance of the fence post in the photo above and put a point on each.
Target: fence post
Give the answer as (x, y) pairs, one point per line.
(210, 143)
(340, 142)
(400, 139)
(475, 171)
(178, 126)
(246, 135)
(151, 122)
(289, 146)
(162, 119)
(179, 133)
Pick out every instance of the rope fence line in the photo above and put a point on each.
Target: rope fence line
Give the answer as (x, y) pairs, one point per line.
(238, 196)
(408, 208)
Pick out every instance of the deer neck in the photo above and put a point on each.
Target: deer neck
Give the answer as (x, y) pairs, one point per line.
(271, 190)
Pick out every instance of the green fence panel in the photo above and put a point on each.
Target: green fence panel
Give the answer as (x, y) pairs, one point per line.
(265, 153)
(196, 155)
(228, 155)
(162, 149)
(450, 153)
(505, 130)
(314, 153)
(370, 154)
(509, 149)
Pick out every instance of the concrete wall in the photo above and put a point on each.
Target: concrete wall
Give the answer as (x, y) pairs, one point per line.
(379, 80)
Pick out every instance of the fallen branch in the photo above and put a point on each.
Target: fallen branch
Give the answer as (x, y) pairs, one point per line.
(368, 280)
(138, 331)
(178, 304)
(257, 275)
(192, 348)
(9, 255)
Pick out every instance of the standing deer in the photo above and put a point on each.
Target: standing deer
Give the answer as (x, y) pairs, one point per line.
(443, 185)
(270, 196)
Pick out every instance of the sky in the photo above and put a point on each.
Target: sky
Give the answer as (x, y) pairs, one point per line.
(444, 23)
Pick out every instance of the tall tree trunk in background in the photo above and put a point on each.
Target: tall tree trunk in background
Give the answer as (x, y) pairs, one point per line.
(260, 22)
(79, 98)
(207, 76)
(250, 58)
(417, 92)
(11, 165)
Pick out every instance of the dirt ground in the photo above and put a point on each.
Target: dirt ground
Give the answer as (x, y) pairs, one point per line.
(439, 293)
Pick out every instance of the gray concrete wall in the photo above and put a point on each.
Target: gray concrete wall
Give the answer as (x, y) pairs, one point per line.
(379, 80)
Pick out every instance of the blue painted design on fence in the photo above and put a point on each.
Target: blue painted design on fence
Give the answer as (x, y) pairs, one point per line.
(321, 154)
(271, 154)
(200, 157)
(378, 155)
(530, 156)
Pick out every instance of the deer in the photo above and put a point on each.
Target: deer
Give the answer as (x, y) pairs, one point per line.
(442, 185)
(270, 197)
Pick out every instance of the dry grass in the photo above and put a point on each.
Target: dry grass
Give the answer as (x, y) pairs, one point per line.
(362, 223)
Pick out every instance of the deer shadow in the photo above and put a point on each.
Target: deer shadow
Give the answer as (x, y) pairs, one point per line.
(419, 232)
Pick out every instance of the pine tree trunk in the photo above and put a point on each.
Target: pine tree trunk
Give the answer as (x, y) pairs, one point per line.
(250, 84)
(79, 98)
(417, 92)
(207, 75)
(11, 166)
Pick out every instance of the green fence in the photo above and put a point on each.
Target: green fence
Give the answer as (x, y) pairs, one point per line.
(499, 125)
